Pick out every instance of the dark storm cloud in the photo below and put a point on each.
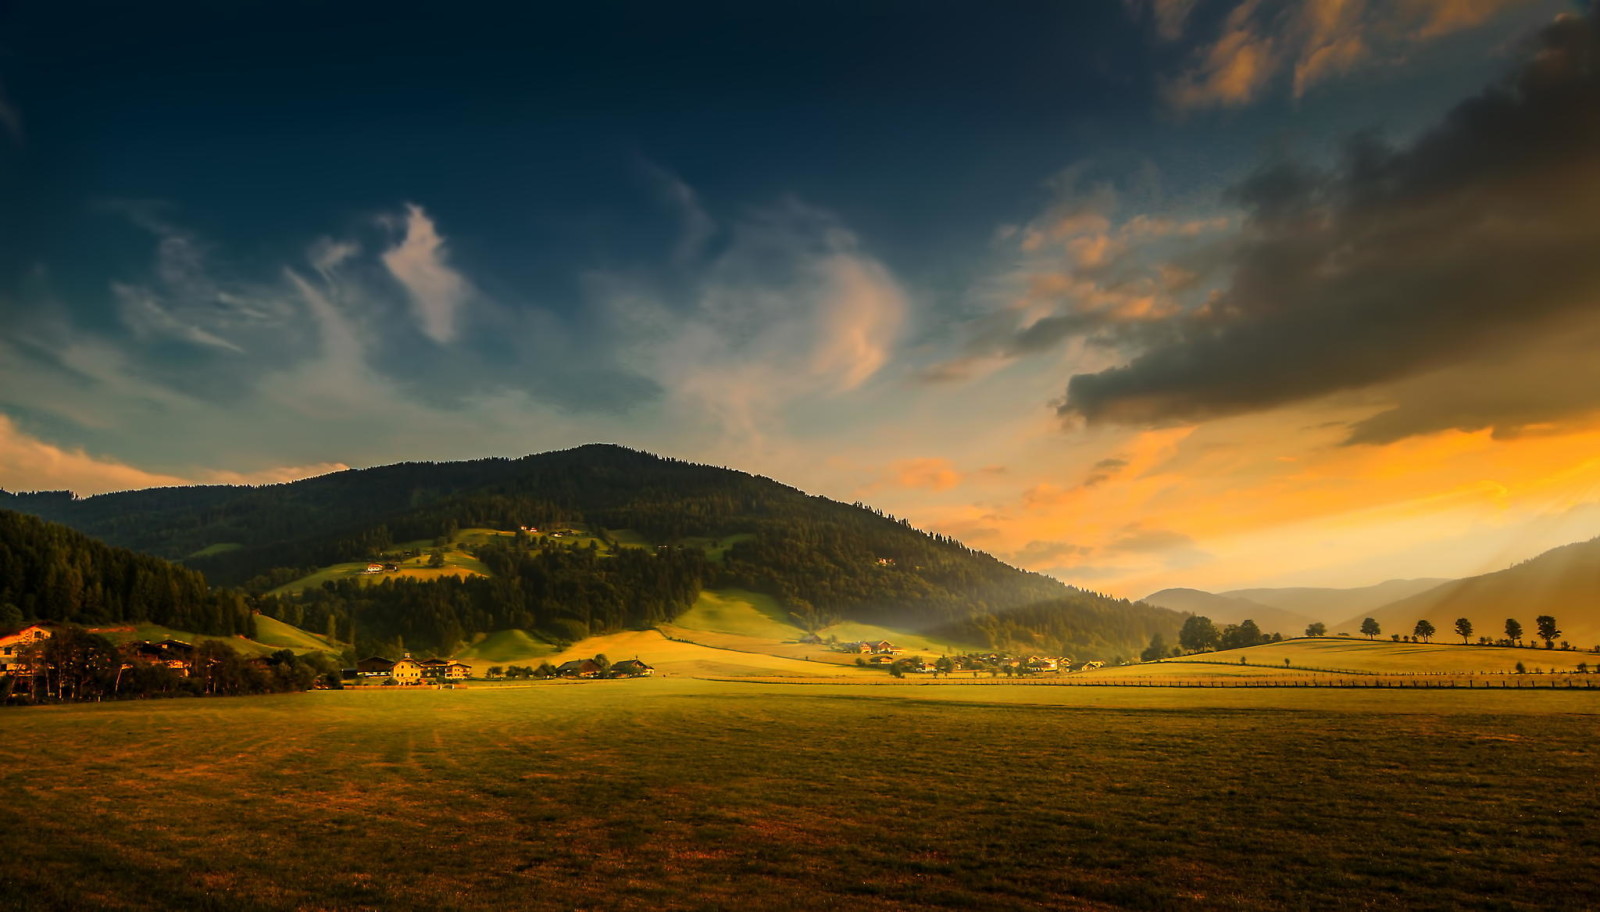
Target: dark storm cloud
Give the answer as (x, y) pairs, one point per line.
(1478, 238)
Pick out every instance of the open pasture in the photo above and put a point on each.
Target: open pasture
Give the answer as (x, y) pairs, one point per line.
(682, 794)
(1388, 657)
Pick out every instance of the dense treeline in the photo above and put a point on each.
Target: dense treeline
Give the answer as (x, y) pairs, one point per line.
(50, 572)
(1081, 625)
(565, 594)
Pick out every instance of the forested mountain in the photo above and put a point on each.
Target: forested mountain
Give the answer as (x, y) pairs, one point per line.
(1562, 582)
(1224, 609)
(50, 572)
(1329, 605)
(814, 554)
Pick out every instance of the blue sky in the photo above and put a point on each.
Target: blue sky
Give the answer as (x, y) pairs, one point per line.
(873, 250)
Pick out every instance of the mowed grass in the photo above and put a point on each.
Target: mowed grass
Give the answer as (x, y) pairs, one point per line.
(1389, 657)
(676, 794)
(672, 657)
(279, 635)
(505, 647)
(739, 612)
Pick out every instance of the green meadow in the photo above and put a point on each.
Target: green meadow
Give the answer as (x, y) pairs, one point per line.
(689, 794)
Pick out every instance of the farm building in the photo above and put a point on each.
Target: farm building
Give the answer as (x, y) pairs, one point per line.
(578, 668)
(12, 645)
(632, 667)
(406, 671)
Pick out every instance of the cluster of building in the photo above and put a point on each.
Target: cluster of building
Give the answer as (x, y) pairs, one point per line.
(589, 668)
(408, 671)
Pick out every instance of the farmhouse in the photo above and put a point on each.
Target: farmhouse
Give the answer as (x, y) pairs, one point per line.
(406, 671)
(633, 668)
(173, 654)
(374, 568)
(578, 668)
(12, 645)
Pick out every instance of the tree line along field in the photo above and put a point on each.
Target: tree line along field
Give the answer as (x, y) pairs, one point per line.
(687, 794)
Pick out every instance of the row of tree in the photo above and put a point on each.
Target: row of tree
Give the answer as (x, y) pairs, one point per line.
(74, 665)
(1424, 630)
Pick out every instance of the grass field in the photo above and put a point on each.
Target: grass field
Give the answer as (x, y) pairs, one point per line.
(739, 612)
(691, 659)
(505, 647)
(1388, 657)
(275, 635)
(677, 794)
(218, 548)
(278, 635)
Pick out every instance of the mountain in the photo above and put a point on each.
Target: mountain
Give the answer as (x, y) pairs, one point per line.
(1328, 605)
(1226, 609)
(50, 572)
(1563, 582)
(651, 520)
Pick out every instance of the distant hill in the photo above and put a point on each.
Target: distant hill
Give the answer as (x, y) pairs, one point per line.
(680, 528)
(1563, 582)
(1230, 609)
(1329, 605)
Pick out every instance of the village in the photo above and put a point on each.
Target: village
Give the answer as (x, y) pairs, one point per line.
(25, 655)
(886, 654)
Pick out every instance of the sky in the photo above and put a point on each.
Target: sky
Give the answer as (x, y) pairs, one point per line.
(1208, 293)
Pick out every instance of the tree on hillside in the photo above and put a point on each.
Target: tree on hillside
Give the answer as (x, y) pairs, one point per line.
(1156, 650)
(1198, 634)
(1424, 631)
(1318, 629)
(1514, 630)
(1463, 629)
(1245, 633)
(1370, 628)
(1547, 629)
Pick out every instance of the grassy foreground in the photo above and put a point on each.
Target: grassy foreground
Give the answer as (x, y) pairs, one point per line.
(683, 794)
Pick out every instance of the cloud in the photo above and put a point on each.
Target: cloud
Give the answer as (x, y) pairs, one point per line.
(697, 226)
(1040, 555)
(1105, 470)
(1473, 244)
(1311, 42)
(28, 463)
(791, 314)
(419, 262)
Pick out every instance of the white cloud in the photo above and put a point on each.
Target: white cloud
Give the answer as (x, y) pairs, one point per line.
(419, 262)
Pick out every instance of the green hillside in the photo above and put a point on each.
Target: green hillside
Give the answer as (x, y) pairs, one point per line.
(624, 540)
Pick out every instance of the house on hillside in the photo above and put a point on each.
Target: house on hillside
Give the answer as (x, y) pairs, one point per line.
(374, 568)
(811, 639)
(881, 647)
(457, 671)
(13, 643)
(176, 658)
(632, 668)
(578, 668)
(406, 671)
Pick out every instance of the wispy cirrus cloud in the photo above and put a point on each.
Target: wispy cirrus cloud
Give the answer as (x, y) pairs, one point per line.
(420, 263)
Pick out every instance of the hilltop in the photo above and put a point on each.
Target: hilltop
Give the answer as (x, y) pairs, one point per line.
(648, 536)
(1563, 582)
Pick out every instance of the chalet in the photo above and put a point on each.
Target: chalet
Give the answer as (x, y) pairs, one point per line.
(433, 668)
(881, 660)
(811, 639)
(174, 657)
(406, 671)
(1041, 663)
(632, 668)
(13, 644)
(374, 667)
(374, 568)
(578, 668)
(881, 647)
(457, 671)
